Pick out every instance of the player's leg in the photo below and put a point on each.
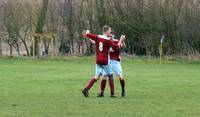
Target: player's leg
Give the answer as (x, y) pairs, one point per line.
(103, 86)
(116, 65)
(99, 71)
(108, 70)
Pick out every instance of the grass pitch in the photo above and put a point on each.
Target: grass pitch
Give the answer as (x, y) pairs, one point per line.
(51, 88)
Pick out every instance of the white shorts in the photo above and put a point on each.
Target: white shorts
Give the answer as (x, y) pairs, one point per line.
(103, 70)
(116, 67)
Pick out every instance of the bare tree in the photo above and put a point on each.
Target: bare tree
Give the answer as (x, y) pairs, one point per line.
(142, 21)
(40, 23)
(68, 14)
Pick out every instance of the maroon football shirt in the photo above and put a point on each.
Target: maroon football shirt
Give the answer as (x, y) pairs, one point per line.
(115, 53)
(102, 44)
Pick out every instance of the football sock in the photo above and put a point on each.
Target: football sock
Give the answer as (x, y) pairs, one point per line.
(90, 84)
(103, 85)
(122, 82)
(111, 83)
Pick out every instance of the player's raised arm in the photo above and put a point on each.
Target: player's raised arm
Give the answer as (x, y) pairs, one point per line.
(113, 45)
(122, 45)
(121, 41)
(87, 34)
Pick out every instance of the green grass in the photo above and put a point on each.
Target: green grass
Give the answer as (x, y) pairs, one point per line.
(51, 88)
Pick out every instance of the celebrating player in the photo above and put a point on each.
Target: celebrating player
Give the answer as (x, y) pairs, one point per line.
(102, 43)
(116, 66)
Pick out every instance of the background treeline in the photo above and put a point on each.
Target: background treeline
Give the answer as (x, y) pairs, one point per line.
(142, 21)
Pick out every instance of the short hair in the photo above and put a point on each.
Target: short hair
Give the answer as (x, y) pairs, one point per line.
(106, 28)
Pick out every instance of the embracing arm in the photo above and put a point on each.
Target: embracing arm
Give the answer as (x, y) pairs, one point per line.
(92, 41)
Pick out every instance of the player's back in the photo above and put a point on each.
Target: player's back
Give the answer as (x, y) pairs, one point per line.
(102, 44)
(102, 49)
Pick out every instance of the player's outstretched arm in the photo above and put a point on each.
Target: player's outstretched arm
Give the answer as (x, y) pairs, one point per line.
(87, 34)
